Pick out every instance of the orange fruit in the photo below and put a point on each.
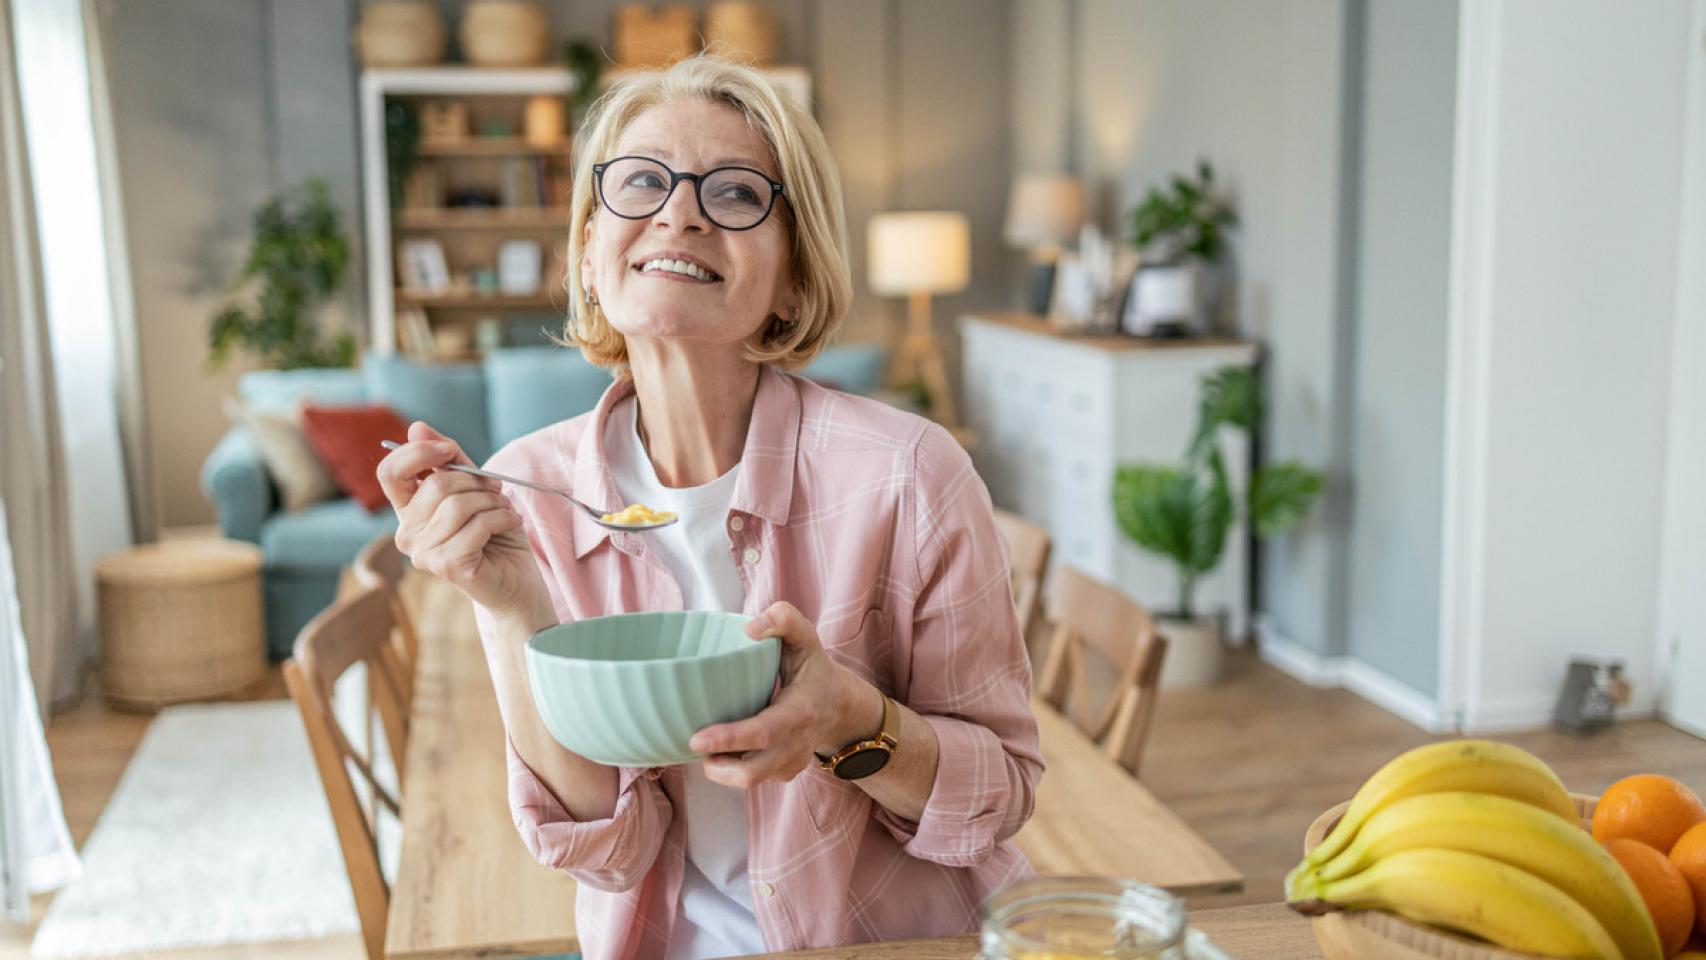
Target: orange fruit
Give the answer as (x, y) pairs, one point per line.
(1662, 886)
(1652, 809)
(1689, 856)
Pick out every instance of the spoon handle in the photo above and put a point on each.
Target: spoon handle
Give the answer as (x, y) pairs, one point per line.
(392, 445)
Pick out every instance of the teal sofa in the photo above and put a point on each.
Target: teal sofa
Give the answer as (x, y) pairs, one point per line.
(510, 393)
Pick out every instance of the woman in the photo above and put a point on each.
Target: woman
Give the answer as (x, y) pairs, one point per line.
(708, 233)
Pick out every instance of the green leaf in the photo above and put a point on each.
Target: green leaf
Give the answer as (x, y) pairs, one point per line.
(1181, 515)
(1280, 494)
(1230, 396)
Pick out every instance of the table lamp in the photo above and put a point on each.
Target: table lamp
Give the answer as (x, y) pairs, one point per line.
(915, 255)
(1044, 212)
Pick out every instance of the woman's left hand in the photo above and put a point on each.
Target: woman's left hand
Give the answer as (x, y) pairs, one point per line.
(822, 707)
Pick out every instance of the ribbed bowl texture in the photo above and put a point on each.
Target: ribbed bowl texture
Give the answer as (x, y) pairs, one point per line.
(630, 690)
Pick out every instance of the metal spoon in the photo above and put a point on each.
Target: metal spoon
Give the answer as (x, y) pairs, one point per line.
(596, 515)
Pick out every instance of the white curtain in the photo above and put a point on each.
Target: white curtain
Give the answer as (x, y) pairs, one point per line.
(36, 854)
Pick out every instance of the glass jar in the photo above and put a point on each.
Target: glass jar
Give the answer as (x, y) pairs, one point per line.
(1081, 918)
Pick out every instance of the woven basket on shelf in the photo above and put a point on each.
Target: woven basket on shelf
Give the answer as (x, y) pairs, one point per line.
(180, 621)
(1358, 934)
(504, 33)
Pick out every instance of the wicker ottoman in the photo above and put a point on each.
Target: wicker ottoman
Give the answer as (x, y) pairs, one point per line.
(180, 621)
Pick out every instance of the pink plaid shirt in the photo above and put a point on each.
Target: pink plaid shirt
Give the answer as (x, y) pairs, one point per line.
(872, 522)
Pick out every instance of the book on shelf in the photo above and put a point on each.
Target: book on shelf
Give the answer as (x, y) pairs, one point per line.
(521, 185)
(414, 334)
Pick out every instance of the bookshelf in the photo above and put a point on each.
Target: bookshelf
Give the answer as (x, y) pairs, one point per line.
(516, 181)
(511, 190)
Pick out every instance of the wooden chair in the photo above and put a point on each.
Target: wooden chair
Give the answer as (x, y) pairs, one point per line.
(1096, 621)
(1028, 548)
(355, 629)
(380, 564)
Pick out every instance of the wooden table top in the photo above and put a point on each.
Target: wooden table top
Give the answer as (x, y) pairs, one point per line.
(1265, 932)
(466, 886)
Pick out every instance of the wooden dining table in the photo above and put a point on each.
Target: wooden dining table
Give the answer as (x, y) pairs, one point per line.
(1263, 932)
(466, 887)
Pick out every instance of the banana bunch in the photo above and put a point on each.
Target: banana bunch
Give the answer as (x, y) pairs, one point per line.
(1482, 838)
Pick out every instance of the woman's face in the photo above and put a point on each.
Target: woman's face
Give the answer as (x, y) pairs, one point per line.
(751, 277)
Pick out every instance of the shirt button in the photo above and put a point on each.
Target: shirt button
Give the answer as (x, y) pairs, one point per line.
(767, 889)
(751, 556)
(736, 523)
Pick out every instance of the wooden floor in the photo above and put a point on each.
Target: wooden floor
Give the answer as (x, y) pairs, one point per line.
(1248, 763)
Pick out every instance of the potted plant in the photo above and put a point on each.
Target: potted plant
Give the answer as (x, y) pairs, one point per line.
(1180, 232)
(297, 260)
(1184, 512)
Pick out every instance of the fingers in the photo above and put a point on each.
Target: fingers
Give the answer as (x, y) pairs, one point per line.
(400, 471)
(757, 732)
(746, 772)
(458, 558)
(454, 511)
(785, 621)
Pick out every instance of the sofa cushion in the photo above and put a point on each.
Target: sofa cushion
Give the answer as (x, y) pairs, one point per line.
(532, 387)
(853, 367)
(449, 396)
(325, 535)
(281, 391)
(348, 441)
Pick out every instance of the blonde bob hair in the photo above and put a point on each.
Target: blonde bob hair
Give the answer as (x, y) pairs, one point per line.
(812, 205)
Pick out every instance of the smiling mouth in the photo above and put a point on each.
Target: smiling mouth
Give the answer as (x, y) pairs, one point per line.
(680, 270)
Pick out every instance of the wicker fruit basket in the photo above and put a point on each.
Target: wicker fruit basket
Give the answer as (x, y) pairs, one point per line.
(1359, 934)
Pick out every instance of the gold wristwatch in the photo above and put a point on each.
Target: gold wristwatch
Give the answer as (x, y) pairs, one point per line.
(862, 758)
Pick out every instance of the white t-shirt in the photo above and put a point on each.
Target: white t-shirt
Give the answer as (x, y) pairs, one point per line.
(714, 917)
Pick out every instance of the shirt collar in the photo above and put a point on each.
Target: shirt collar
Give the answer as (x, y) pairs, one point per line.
(763, 488)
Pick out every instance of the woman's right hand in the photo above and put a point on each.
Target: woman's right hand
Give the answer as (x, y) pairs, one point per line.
(459, 527)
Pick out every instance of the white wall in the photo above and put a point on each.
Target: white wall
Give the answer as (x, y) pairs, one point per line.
(1257, 89)
(1573, 137)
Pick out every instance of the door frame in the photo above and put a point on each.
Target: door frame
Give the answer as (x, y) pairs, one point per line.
(1682, 565)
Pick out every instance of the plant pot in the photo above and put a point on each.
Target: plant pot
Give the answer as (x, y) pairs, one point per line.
(1195, 654)
(1166, 299)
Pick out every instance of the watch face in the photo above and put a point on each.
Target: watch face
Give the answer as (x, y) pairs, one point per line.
(862, 764)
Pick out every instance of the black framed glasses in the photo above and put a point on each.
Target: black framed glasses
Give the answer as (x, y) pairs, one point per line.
(734, 198)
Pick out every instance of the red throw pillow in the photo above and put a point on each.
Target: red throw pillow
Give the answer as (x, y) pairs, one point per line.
(347, 439)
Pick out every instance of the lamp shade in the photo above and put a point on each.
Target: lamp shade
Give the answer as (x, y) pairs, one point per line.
(928, 252)
(1044, 210)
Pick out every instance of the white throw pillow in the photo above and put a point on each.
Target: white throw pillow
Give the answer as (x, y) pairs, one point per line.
(302, 479)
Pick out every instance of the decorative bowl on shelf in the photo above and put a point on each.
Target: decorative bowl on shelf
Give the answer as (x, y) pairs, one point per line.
(630, 690)
(1356, 934)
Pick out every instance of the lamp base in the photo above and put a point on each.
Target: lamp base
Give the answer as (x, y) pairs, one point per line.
(1042, 287)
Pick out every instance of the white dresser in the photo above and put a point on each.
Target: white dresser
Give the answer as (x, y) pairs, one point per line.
(1053, 417)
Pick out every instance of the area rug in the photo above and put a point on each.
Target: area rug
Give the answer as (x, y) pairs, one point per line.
(218, 834)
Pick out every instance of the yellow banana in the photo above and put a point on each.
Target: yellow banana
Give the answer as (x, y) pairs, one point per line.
(1476, 766)
(1513, 833)
(1475, 895)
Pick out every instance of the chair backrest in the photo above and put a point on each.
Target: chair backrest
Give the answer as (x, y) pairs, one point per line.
(1113, 700)
(355, 629)
(1028, 547)
(380, 564)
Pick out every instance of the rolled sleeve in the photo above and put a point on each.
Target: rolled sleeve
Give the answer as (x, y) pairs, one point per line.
(970, 677)
(612, 854)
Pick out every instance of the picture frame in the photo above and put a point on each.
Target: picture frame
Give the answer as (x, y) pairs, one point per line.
(1074, 297)
(422, 266)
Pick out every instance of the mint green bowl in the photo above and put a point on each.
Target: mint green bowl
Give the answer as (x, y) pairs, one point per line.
(630, 690)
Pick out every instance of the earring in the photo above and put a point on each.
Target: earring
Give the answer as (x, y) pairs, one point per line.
(591, 300)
